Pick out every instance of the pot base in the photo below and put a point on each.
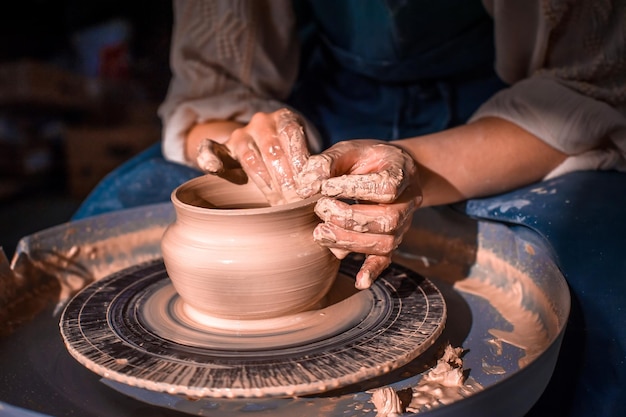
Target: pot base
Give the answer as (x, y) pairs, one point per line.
(165, 314)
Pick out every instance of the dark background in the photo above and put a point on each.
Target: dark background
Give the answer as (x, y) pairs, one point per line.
(80, 82)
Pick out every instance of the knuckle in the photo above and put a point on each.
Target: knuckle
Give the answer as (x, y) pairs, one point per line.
(239, 135)
(259, 118)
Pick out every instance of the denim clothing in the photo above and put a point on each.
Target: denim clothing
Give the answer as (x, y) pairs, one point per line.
(145, 179)
(388, 81)
(393, 69)
(580, 218)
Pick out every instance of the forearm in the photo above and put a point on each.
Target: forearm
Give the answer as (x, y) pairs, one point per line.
(482, 158)
(219, 131)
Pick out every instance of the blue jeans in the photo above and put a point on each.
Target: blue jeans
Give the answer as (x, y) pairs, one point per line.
(581, 218)
(145, 179)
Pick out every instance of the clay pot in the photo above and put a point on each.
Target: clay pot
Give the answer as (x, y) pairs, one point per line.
(230, 255)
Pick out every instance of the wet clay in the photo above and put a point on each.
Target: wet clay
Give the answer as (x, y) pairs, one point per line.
(78, 266)
(531, 322)
(529, 331)
(444, 384)
(169, 317)
(387, 402)
(248, 263)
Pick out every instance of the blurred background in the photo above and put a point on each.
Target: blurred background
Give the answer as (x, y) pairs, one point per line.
(80, 83)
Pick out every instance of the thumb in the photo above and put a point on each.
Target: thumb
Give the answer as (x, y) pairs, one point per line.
(336, 160)
(315, 171)
(215, 158)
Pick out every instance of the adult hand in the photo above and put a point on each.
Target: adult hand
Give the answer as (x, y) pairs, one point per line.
(270, 150)
(383, 179)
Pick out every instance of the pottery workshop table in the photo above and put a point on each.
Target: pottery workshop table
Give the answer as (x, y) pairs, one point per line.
(507, 305)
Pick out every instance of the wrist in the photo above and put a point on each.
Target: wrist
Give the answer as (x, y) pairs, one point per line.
(218, 130)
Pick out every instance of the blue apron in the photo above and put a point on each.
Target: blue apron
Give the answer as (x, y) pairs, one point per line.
(393, 69)
(370, 69)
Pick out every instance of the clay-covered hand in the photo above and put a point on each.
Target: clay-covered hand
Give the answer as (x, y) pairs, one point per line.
(270, 150)
(370, 190)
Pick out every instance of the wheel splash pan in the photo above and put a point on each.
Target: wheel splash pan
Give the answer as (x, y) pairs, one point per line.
(507, 308)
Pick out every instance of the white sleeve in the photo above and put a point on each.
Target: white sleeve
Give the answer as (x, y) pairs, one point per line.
(229, 60)
(566, 63)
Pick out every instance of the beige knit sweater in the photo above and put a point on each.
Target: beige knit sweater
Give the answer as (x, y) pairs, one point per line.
(565, 61)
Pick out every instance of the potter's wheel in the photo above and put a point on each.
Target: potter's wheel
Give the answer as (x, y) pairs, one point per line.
(133, 328)
(38, 374)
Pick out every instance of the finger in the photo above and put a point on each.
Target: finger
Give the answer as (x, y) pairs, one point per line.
(372, 267)
(385, 172)
(380, 187)
(291, 134)
(215, 158)
(274, 147)
(339, 253)
(336, 160)
(278, 168)
(331, 236)
(315, 171)
(209, 156)
(367, 170)
(247, 153)
(367, 218)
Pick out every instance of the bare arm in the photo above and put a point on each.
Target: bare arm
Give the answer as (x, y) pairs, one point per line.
(488, 156)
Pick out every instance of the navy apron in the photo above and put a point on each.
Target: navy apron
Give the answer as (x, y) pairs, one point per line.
(393, 69)
(375, 69)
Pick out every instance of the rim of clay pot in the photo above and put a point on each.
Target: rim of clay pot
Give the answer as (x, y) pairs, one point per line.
(219, 211)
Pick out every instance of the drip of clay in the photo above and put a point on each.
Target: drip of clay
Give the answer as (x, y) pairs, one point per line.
(443, 384)
(387, 402)
(231, 256)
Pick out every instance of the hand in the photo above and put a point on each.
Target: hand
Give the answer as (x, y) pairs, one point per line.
(383, 179)
(270, 150)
